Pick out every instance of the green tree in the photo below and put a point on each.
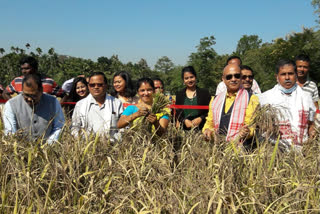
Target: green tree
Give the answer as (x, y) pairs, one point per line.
(2, 50)
(104, 64)
(264, 59)
(316, 5)
(173, 81)
(51, 51)
(163, 70)
(248, 43)
(164, 65)
(116, 65)
(144, 69)
(9, 66)
(39, 51)
(203, 61)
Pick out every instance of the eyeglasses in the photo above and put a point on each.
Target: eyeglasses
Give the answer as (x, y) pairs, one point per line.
(229, 76)
(32, 96)
(92, 85)
(244, 77)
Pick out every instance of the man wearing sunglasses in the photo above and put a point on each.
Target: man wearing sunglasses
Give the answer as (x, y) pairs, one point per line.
(98, 112)
(230, 112)
(295, 107)
(33, 113)
(247, 78)
(236, 60)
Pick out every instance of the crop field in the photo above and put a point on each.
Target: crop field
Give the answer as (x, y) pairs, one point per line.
(179, 173)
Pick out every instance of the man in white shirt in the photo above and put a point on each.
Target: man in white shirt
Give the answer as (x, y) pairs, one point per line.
(295, 106)
(98, 112)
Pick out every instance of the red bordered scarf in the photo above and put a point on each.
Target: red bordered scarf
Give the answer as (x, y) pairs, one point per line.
(238, 112)
(294, 112)
(287, 133)
(297, 111)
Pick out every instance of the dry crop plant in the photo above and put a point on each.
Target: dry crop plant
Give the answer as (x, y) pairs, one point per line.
(178, 173)
(160, 102)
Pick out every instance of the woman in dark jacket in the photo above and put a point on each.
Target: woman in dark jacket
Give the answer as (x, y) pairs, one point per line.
(191, 95)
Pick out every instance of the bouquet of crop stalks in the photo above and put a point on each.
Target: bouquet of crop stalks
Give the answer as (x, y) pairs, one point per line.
(266, 120)
(160, 102)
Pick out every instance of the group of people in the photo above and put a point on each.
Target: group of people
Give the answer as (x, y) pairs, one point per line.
(294, 97)
(35, 113)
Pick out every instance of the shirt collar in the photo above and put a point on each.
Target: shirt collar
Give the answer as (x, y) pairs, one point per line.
(94, 102)
(307, 82)
(233, 95)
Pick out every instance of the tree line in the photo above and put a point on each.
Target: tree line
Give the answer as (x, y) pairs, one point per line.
(262, 57)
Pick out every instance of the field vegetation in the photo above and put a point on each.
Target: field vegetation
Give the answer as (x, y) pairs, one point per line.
(179, 173)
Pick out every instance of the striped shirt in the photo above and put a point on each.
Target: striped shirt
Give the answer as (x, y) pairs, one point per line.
(48, 84)
(312, 89)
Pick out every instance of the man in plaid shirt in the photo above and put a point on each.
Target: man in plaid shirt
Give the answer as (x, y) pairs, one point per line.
(29, 65)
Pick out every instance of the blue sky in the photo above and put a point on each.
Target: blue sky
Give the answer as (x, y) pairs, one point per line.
(149, 29)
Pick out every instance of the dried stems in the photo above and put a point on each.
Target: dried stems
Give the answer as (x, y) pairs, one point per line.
(90, 175)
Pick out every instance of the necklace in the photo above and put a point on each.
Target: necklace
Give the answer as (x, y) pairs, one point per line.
(193, 95)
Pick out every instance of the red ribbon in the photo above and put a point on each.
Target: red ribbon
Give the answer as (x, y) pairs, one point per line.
(177, 106)
(170, 106)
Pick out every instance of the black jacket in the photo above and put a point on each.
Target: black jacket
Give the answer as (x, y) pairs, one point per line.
(203, 98)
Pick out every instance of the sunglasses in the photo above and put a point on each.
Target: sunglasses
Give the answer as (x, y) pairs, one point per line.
(244, 77)
(229, 76)
(92, 85)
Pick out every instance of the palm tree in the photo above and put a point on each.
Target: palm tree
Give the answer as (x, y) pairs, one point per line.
(2, 51)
